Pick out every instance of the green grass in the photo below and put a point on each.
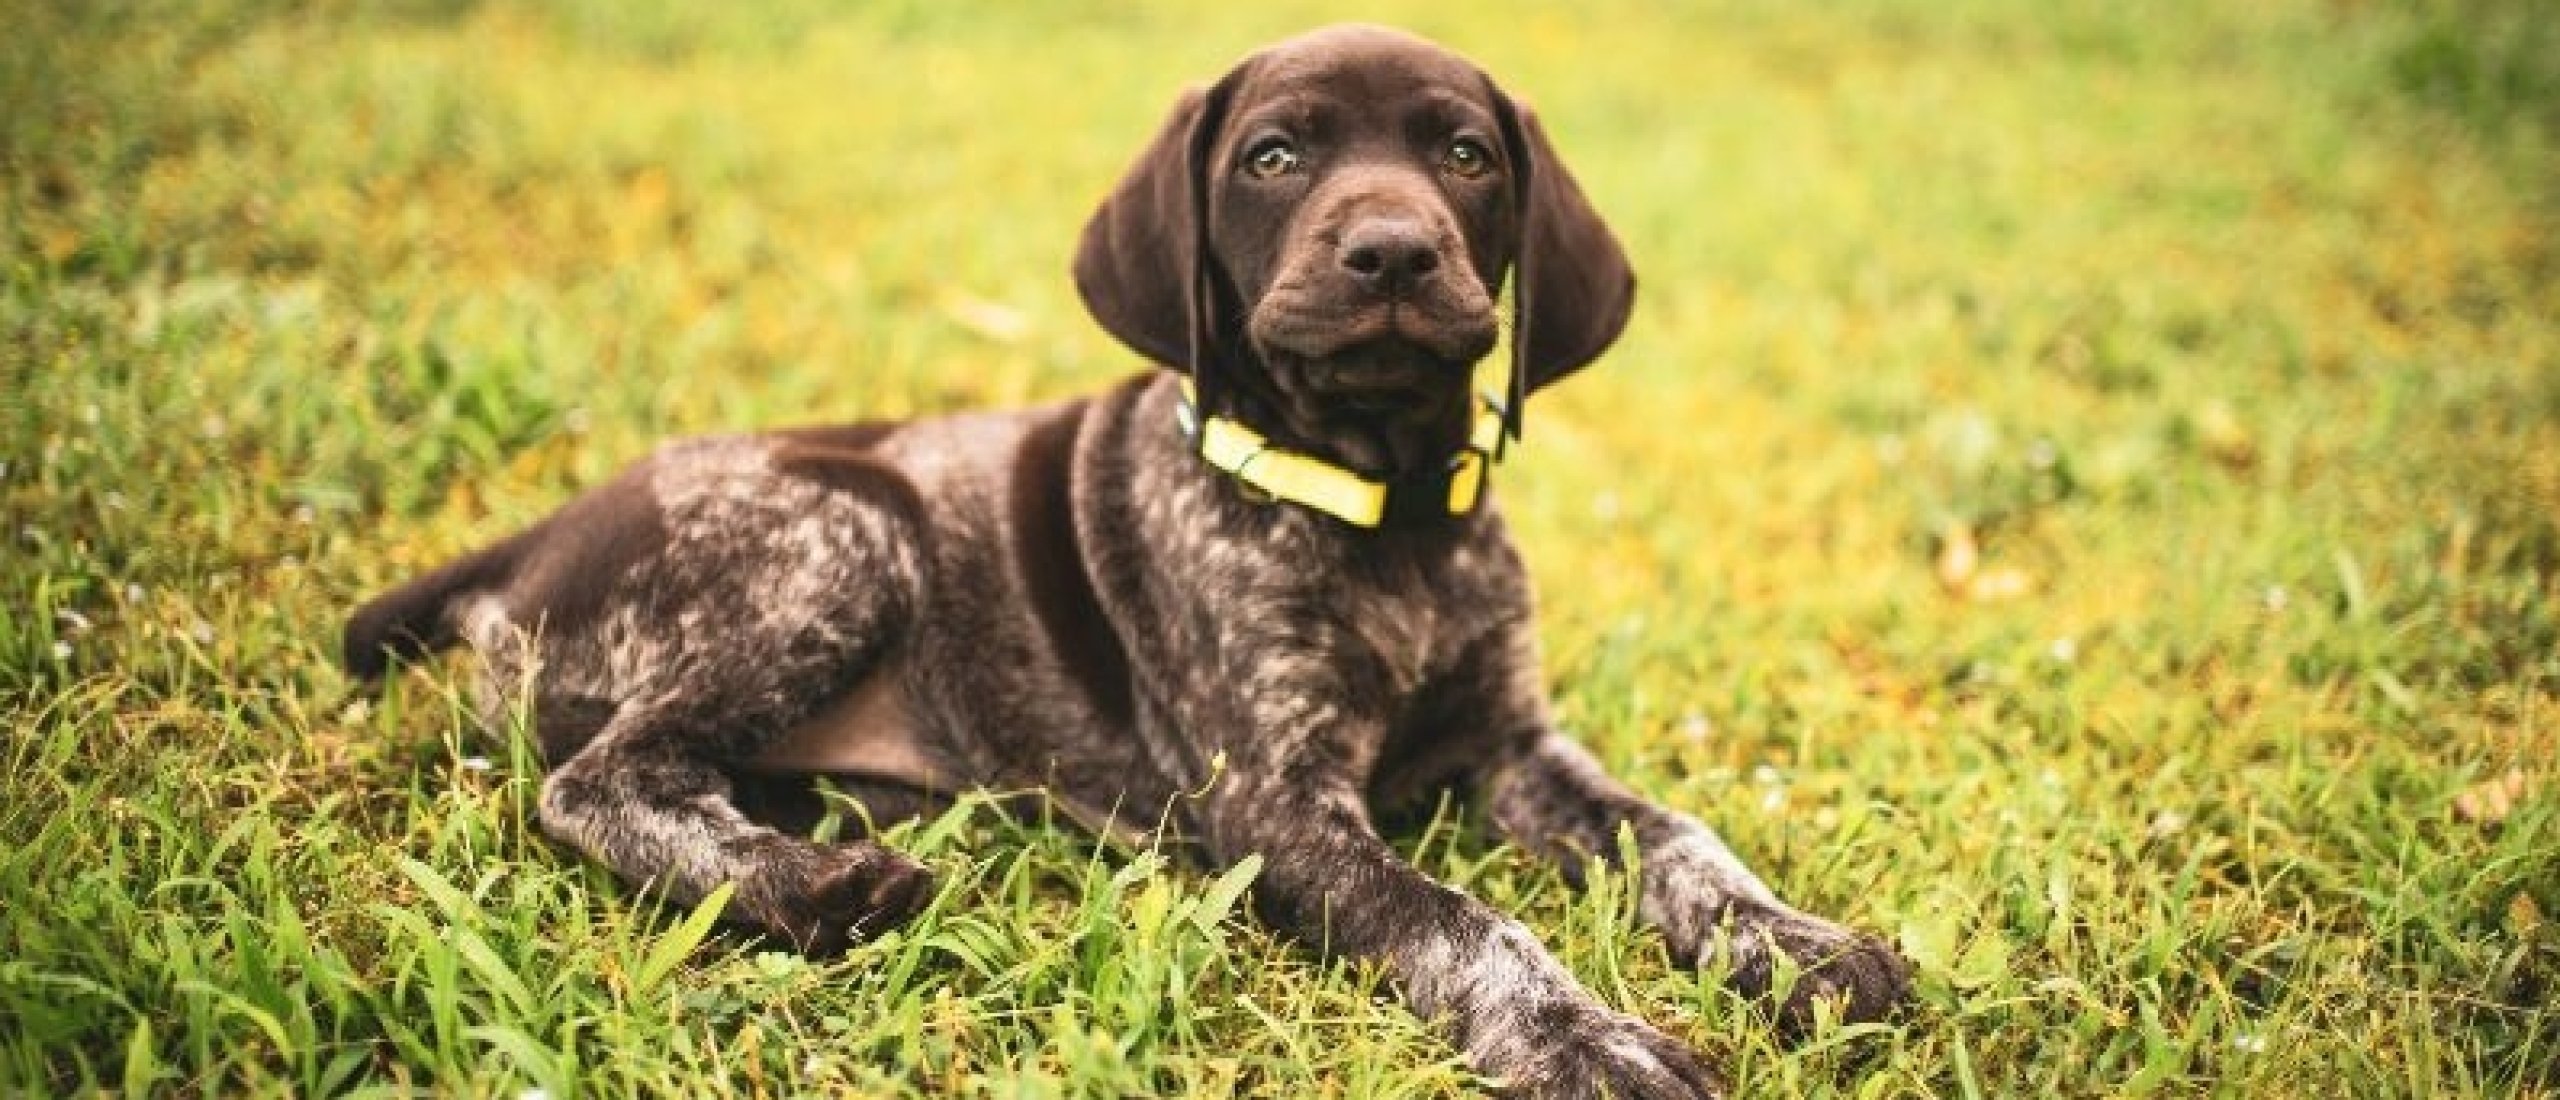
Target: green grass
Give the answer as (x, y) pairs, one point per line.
(2229, 333)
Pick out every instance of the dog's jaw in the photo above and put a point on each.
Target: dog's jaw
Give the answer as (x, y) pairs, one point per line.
(1382, 386)
(1381, 412)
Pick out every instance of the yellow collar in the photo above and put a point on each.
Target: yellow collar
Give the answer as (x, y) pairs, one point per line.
(1242, 453)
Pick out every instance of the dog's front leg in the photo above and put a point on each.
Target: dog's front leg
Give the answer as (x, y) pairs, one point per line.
(1549, 795)
(1328, 879)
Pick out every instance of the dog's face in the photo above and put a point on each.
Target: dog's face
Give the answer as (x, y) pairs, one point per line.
(1356, 203)
(1326, 231)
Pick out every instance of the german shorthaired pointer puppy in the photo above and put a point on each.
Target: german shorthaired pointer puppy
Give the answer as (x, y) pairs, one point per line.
(1252, 597)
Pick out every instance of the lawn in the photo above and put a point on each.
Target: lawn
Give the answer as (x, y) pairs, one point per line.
(2080, 495)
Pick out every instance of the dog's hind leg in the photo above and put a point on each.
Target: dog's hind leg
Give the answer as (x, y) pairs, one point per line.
(681, 621)
(636, 801)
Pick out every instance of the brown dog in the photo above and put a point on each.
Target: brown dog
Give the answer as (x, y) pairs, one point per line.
(1103, 598)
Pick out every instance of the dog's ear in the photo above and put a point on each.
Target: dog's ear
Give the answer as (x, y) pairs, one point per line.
(1572, 286)
(1142, 266)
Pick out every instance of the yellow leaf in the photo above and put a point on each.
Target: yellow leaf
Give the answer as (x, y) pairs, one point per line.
(1958, 556)
(994, 320)
(2523, 916)
(1993, 586)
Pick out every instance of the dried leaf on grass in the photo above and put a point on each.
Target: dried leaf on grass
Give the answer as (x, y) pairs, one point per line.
(1960, 569)
(2489, 801)
(2524, 918)
(996, 321)
(1959, 556)
(2224, 438)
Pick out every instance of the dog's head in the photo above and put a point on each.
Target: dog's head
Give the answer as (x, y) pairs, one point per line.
(1320, 238)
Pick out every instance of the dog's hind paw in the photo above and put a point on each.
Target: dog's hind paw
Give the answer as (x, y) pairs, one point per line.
(836, 896)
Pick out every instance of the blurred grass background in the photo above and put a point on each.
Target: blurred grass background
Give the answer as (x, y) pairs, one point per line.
(2081, 494)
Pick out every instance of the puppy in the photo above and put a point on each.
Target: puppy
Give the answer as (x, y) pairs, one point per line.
(1251, 596)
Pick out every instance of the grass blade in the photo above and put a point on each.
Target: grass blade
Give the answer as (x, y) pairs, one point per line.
(674, 947)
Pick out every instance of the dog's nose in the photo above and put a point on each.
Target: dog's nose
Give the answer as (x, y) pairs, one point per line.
(1390, 255)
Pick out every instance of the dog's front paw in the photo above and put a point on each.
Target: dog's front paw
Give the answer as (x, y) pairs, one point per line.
(1580, 1051)
(1862, 975)
(832, 896)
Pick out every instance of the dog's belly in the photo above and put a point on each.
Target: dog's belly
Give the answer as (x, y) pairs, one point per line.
(869, 732)
(872, 733)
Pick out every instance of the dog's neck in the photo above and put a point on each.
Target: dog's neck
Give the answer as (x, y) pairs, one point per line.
(1262, 440)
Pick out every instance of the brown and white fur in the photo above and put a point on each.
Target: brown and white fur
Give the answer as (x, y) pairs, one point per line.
(1068, 597)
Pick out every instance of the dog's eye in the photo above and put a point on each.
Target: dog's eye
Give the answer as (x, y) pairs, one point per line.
(1271, 158)
(1467, 158)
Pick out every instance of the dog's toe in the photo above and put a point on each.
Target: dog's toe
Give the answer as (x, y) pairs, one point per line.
(837, 896)
(1868, 980)
(1862, 976)
(1609, 1054)
(898, 888)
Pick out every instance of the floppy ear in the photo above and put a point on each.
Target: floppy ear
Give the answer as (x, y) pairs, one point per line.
(1142, 266)
(1573, 287)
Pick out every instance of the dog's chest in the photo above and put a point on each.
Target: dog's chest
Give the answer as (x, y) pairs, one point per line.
(1405, 634)
(1396, 627)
